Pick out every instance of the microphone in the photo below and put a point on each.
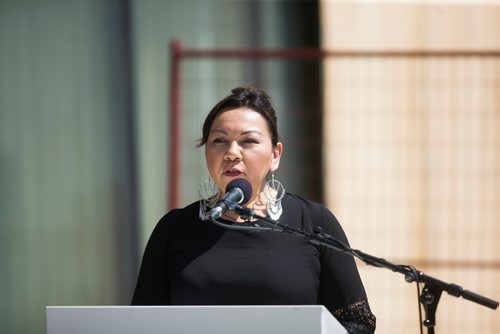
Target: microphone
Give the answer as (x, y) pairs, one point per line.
(238, 191)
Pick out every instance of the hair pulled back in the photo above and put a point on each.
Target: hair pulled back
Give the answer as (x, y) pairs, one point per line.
(249, 97)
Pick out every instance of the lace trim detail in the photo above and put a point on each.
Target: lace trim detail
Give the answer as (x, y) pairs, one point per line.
(357, 318)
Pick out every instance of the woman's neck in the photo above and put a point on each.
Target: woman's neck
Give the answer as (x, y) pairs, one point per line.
(257, 204)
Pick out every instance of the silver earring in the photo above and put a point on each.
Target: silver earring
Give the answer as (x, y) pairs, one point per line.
(274, 192)
(209, 195)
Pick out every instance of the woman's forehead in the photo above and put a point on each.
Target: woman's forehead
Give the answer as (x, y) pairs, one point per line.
(243, 119)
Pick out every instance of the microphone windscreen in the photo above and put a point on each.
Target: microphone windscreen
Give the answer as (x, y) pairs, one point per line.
(244, 185)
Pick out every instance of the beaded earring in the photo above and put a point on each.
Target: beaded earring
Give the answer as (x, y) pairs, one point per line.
(209, 195)
(274, 192)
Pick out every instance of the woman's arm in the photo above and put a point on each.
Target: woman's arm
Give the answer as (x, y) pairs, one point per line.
(152, 284)
(342, 291)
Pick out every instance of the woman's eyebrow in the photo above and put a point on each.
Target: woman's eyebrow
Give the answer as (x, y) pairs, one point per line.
(251, 131)
(242, 133)
(219, 130)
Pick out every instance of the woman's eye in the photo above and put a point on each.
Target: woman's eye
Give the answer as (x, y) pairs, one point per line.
(250, 141)
(218, 141)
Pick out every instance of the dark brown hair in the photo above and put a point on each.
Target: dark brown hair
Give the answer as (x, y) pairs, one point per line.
(249, 97)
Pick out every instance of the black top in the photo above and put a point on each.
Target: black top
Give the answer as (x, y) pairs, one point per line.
(188, 261)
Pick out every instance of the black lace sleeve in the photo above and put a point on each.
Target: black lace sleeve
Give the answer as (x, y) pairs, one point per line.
(342, 290)
(357, 318)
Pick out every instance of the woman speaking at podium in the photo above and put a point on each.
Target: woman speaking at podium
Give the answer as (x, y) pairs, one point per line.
(190, 261)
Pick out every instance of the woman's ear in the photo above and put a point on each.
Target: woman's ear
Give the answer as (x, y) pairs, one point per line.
(275, 162)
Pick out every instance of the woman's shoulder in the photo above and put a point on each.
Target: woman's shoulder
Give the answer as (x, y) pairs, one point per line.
(312, 213)
(178, 217)
(299, 202)
(188, 210)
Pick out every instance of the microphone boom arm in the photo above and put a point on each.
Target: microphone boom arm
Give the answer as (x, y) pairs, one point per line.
(433, 287)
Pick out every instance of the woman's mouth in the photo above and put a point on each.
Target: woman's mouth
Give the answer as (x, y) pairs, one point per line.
(232, 172)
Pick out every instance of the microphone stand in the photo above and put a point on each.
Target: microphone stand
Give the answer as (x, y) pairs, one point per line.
(433, 287)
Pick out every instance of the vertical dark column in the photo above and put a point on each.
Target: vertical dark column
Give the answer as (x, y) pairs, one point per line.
(303, 114)
(124, 141)
(255, 39)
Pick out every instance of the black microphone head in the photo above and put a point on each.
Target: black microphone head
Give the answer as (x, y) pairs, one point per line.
(244, 185)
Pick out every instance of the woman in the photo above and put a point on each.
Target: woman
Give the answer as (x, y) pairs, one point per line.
(190, 261)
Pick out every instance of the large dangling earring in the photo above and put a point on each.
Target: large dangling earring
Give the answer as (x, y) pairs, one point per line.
(274, 192)
(209, 195)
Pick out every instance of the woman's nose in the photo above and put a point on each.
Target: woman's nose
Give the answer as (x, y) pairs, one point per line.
(233, 152)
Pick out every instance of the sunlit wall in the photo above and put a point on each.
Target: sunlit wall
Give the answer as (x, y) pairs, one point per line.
(412, 163)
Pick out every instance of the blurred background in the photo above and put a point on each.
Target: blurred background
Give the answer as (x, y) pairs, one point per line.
(395, 127)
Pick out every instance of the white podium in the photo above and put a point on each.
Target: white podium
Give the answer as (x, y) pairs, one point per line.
(310, 319)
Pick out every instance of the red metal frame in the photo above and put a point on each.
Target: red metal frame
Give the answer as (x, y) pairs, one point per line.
(177, 53)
